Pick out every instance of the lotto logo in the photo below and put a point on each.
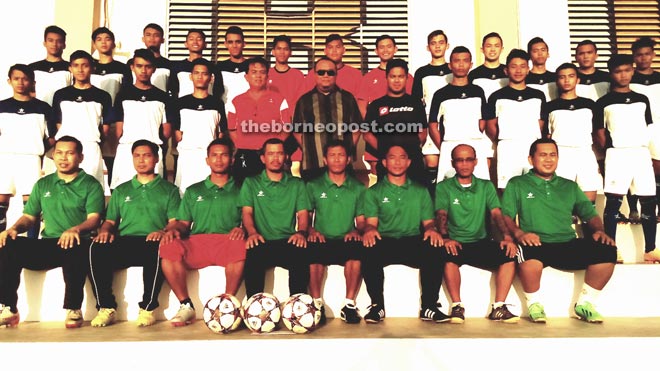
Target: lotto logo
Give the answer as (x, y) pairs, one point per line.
(383, 111)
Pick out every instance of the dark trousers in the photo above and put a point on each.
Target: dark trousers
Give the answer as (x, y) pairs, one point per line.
(39, 255)
(247, 163)
(276, 253)
(124, 252)
(410, 251)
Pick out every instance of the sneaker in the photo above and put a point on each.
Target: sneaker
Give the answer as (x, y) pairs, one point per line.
(457, 314)
(652, 256)
(621, 219)
(145, 318)
(537, 313)
(375, 314)
(74, 318)
(433, 314)
(502, 314)
(185, 316)
(634, 218)
(349, 314)
(105, 317)
(588, 313)
(7, 318)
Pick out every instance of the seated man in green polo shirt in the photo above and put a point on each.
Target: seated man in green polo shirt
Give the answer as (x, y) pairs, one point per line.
(273, 202)
(336, 199)
(395, 209)
(544, 204)
(70, 203)
(462, 204)
(138, 212)
(207, 232)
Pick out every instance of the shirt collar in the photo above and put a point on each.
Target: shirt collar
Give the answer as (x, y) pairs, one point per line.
(151, 184)
(538, 181)
(75, 180)
(405, 185)
(458, 185)
(266, 180)
(210, 185)
(329, 183)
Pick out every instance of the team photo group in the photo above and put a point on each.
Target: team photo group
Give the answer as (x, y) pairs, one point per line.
(250, 164)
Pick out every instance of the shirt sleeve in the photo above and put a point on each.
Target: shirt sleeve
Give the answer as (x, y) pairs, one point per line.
(370, 204)
(359, 208)
(106, 110)
(231, 116)
(441, 197)
(95, 202)
(435, 107)
(51, 123)
(113, 208)
(57, 108)
(426, 211)
(417, 88)
(173, 204)
(33, 205)
(510, 201)
(119, 107)
(184, 212)
(490, 107)
(583, 207)
(492, 201)
(302, 201)
(245, 198)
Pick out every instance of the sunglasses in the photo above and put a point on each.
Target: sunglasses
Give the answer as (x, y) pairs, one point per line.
(326, 72)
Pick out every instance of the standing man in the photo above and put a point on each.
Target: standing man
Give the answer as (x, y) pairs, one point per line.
(81, 110)
(348, 77)
(51, 73)
(140, 111)
(276, 218)
(623, 117)
(325, 104)
(594, 83)
(231, 72)
(396, 209)
(462, 206)
(457, 116)
(207, 232)
(334, 237)
(514, 118)
(544, 204)
(180, 83)
(138, 212)
(199, 118)
(253, 117)
(70, 203)
(539, 77)
(153, 38)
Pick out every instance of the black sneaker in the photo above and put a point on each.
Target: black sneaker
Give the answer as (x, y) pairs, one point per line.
(375, 314)
(323, 319)
(457, 314)
(433, 314)
(502, 314)
(349, 314)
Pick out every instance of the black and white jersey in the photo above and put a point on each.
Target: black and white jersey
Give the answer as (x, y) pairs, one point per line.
(24, 125)
(233, 81)
(545, 82)
(489, 79)
(429, 79)
(180, 83)
(457, 110)
(649, 85)
(625, 117)
(571, 122)
(50, 77)
(199, 120)
(518, 112)
(161, 75)
(593, 86)
(110, 77)
(81, 112)
(142, 113)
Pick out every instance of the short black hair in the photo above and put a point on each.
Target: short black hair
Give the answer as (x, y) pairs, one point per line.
(394, 63)
(516, 53)
(234, 30)
(617, 60)
(282, 38)
(324, 58)
(56, 30)
(102, 30)
(453, 151)
(332, 143)
(586, 42)
(197, 31)
(155, 27)
(27, 70)
(384, 37)
(224, 141)
(270, 141)
(566, 66)
(642, 42)
(81, 54)
(458, 50)
(534, 146)
(535, 40)
(70, 139)
(434, 34)
(333, 37)
(489, 35)
(201, 62)
(258, 60)
(145, 54)
(143, 142)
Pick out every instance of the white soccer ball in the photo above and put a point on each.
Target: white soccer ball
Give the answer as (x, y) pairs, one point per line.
(261, 312)
(301, 314)
(222, 313)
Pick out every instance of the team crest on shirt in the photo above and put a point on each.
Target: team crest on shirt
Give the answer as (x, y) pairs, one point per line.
(47, 194)
(588, 82)
(646, 82)
(627, 100)
(199, 198)
(261, 194)
(375, 81)
(456, 202)
(79, 99)
(103, 72)
(143, 99)
(530, 195)
(51, 70)
(493, 77)
(323, 195)
(236, 70)
(541, 82)
(200, 107)
(386, 200)
(21, 111)
(128, 199)
(442, 73)
(519, 99)
(571, 107)
(463, 95)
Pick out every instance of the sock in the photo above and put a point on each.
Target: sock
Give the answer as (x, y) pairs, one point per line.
(612, 205)
(432, 174)
(532, 297)
(187, 301)
(632, 202)
(498, 304)
(349, 302)
(456, 304)
(649, 224)
(657, 190)
(589, 294)
(3, 215)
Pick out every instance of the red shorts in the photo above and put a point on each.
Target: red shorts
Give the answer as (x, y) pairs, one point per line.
(203, 250)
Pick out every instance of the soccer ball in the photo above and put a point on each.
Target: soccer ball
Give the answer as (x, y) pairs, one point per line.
(301, 313)
(261, 312)
(222, 313)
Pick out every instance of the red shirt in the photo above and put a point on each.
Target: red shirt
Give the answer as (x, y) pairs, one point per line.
(290, 84)
(254, 122)
(374, 85)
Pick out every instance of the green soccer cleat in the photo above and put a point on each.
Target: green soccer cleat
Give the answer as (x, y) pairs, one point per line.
(588, 313)
(537, 313)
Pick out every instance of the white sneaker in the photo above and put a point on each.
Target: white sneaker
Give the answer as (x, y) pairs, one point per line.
(185, 316)
(7, 318)
(105, 317)
(74, 318)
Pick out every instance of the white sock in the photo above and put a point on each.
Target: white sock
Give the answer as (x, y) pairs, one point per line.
(532, 297)
(497, 304)
(318, 301)
(350, 302)
(456, 304)
(589, 294)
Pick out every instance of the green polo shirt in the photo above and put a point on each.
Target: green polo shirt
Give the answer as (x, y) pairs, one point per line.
(274, 204)
(335, 207)
(210, 208)
(466, 207)
(546, 207)
(143, 208)
(64, 205)
(400, 209)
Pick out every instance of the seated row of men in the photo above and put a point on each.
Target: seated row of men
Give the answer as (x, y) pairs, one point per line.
(266, 222)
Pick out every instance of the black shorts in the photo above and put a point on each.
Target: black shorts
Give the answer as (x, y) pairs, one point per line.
(572, 255)
(484, 254)
(334, 251)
